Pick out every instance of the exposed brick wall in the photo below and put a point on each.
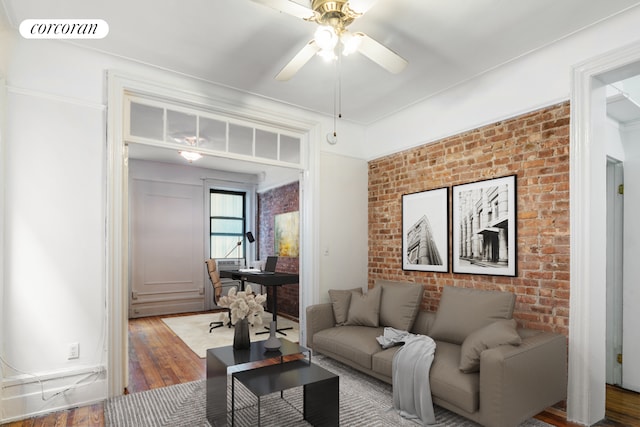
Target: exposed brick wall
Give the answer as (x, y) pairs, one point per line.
(535, 147)
(271, 203)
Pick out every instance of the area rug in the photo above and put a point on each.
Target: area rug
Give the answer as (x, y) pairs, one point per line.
(364, 401)
(194, 331)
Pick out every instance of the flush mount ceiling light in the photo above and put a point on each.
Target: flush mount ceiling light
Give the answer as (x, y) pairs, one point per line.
(191, 156)
(334, 16)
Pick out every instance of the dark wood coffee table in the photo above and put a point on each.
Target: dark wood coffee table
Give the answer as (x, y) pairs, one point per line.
(321, 399)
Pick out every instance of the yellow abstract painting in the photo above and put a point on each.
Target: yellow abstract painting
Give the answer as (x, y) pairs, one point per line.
(287, 234)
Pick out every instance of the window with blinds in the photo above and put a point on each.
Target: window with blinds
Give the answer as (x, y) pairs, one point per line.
(227, 223)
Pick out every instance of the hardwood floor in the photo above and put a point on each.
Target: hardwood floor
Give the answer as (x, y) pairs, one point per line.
(158, 358)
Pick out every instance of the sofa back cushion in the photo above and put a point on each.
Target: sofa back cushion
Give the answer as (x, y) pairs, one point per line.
(364, 310)
(463, 311)
(399, 303)
(423, 323)
(340, 301)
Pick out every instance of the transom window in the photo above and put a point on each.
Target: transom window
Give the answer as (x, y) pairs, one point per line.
(182, 127)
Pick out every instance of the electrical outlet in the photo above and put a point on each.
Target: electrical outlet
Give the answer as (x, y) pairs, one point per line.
(74, 350)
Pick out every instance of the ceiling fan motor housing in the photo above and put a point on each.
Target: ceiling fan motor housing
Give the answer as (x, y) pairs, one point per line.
(336, 14)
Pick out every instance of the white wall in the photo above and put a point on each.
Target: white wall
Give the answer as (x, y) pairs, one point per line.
(533, 81)
(344, 237)
(631, 269)
(3, 113)
(615, 152)
(191, 176)
(614, 146)
(54, 249)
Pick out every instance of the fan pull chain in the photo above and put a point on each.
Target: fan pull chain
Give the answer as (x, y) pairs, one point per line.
(339, 86)
(337, 96)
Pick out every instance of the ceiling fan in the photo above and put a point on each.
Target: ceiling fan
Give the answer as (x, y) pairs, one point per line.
(333, 18)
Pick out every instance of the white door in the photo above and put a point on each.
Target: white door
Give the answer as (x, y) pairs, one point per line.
(167, 255)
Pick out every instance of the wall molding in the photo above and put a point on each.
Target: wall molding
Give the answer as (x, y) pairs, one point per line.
(26, 394)
(57, 98)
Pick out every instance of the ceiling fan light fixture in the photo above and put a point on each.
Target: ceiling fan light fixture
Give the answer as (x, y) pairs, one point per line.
(191, 156)
(333, 17)
(327, 55)
(326, 38)
(350, 43)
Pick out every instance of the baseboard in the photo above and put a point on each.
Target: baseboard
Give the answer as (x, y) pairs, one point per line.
(26, 397)
(146, 309)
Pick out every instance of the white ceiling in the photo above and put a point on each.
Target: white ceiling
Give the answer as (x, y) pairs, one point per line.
(243, 44)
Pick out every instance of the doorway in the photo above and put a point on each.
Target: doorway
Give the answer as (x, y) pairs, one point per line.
(589, 149)
(117, 251)
(623, 113)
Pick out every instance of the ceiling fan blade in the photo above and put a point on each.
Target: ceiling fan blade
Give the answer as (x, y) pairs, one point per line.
(298, 61)
(288, 7)
(382, 55)
(361, 6)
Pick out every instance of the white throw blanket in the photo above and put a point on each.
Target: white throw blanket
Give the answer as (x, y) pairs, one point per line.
(392, 337)
(411, 365)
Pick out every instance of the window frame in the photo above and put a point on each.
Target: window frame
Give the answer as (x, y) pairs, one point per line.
(241, 237)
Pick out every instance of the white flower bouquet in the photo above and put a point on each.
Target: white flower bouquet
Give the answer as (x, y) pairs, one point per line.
(244, 304)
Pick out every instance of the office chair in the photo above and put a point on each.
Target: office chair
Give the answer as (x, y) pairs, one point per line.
(218, 288)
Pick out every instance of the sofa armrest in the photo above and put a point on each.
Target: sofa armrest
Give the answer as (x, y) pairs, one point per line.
(517, 382)
(319, 317)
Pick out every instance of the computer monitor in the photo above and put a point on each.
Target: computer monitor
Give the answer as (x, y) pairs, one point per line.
(270, 265)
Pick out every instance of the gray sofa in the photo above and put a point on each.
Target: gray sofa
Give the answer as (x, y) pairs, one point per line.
(485, 368)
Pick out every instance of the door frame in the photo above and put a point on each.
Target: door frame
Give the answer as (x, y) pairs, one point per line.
(587, 331)
(117, 238)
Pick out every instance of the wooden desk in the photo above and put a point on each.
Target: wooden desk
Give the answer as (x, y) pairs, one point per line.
(264, 279)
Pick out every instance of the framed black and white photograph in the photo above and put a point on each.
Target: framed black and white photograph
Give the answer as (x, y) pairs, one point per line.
(484, 227)
(425, 231)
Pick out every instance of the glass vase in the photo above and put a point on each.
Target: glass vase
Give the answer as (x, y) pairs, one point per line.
(241, 335)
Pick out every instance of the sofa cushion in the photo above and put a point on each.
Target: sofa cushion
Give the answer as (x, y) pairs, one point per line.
(423, 323)
(364, 310)
(449, 383)
(399, 304)
(498, 333)
(464, 310)
(340, 301)
(382, 361)
(354, 343)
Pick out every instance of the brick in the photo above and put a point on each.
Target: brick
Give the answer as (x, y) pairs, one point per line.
(271, 203)
(535, 146)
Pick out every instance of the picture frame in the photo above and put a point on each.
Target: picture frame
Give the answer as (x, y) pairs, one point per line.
(425, 230)
(287, 234)
(484, 227)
